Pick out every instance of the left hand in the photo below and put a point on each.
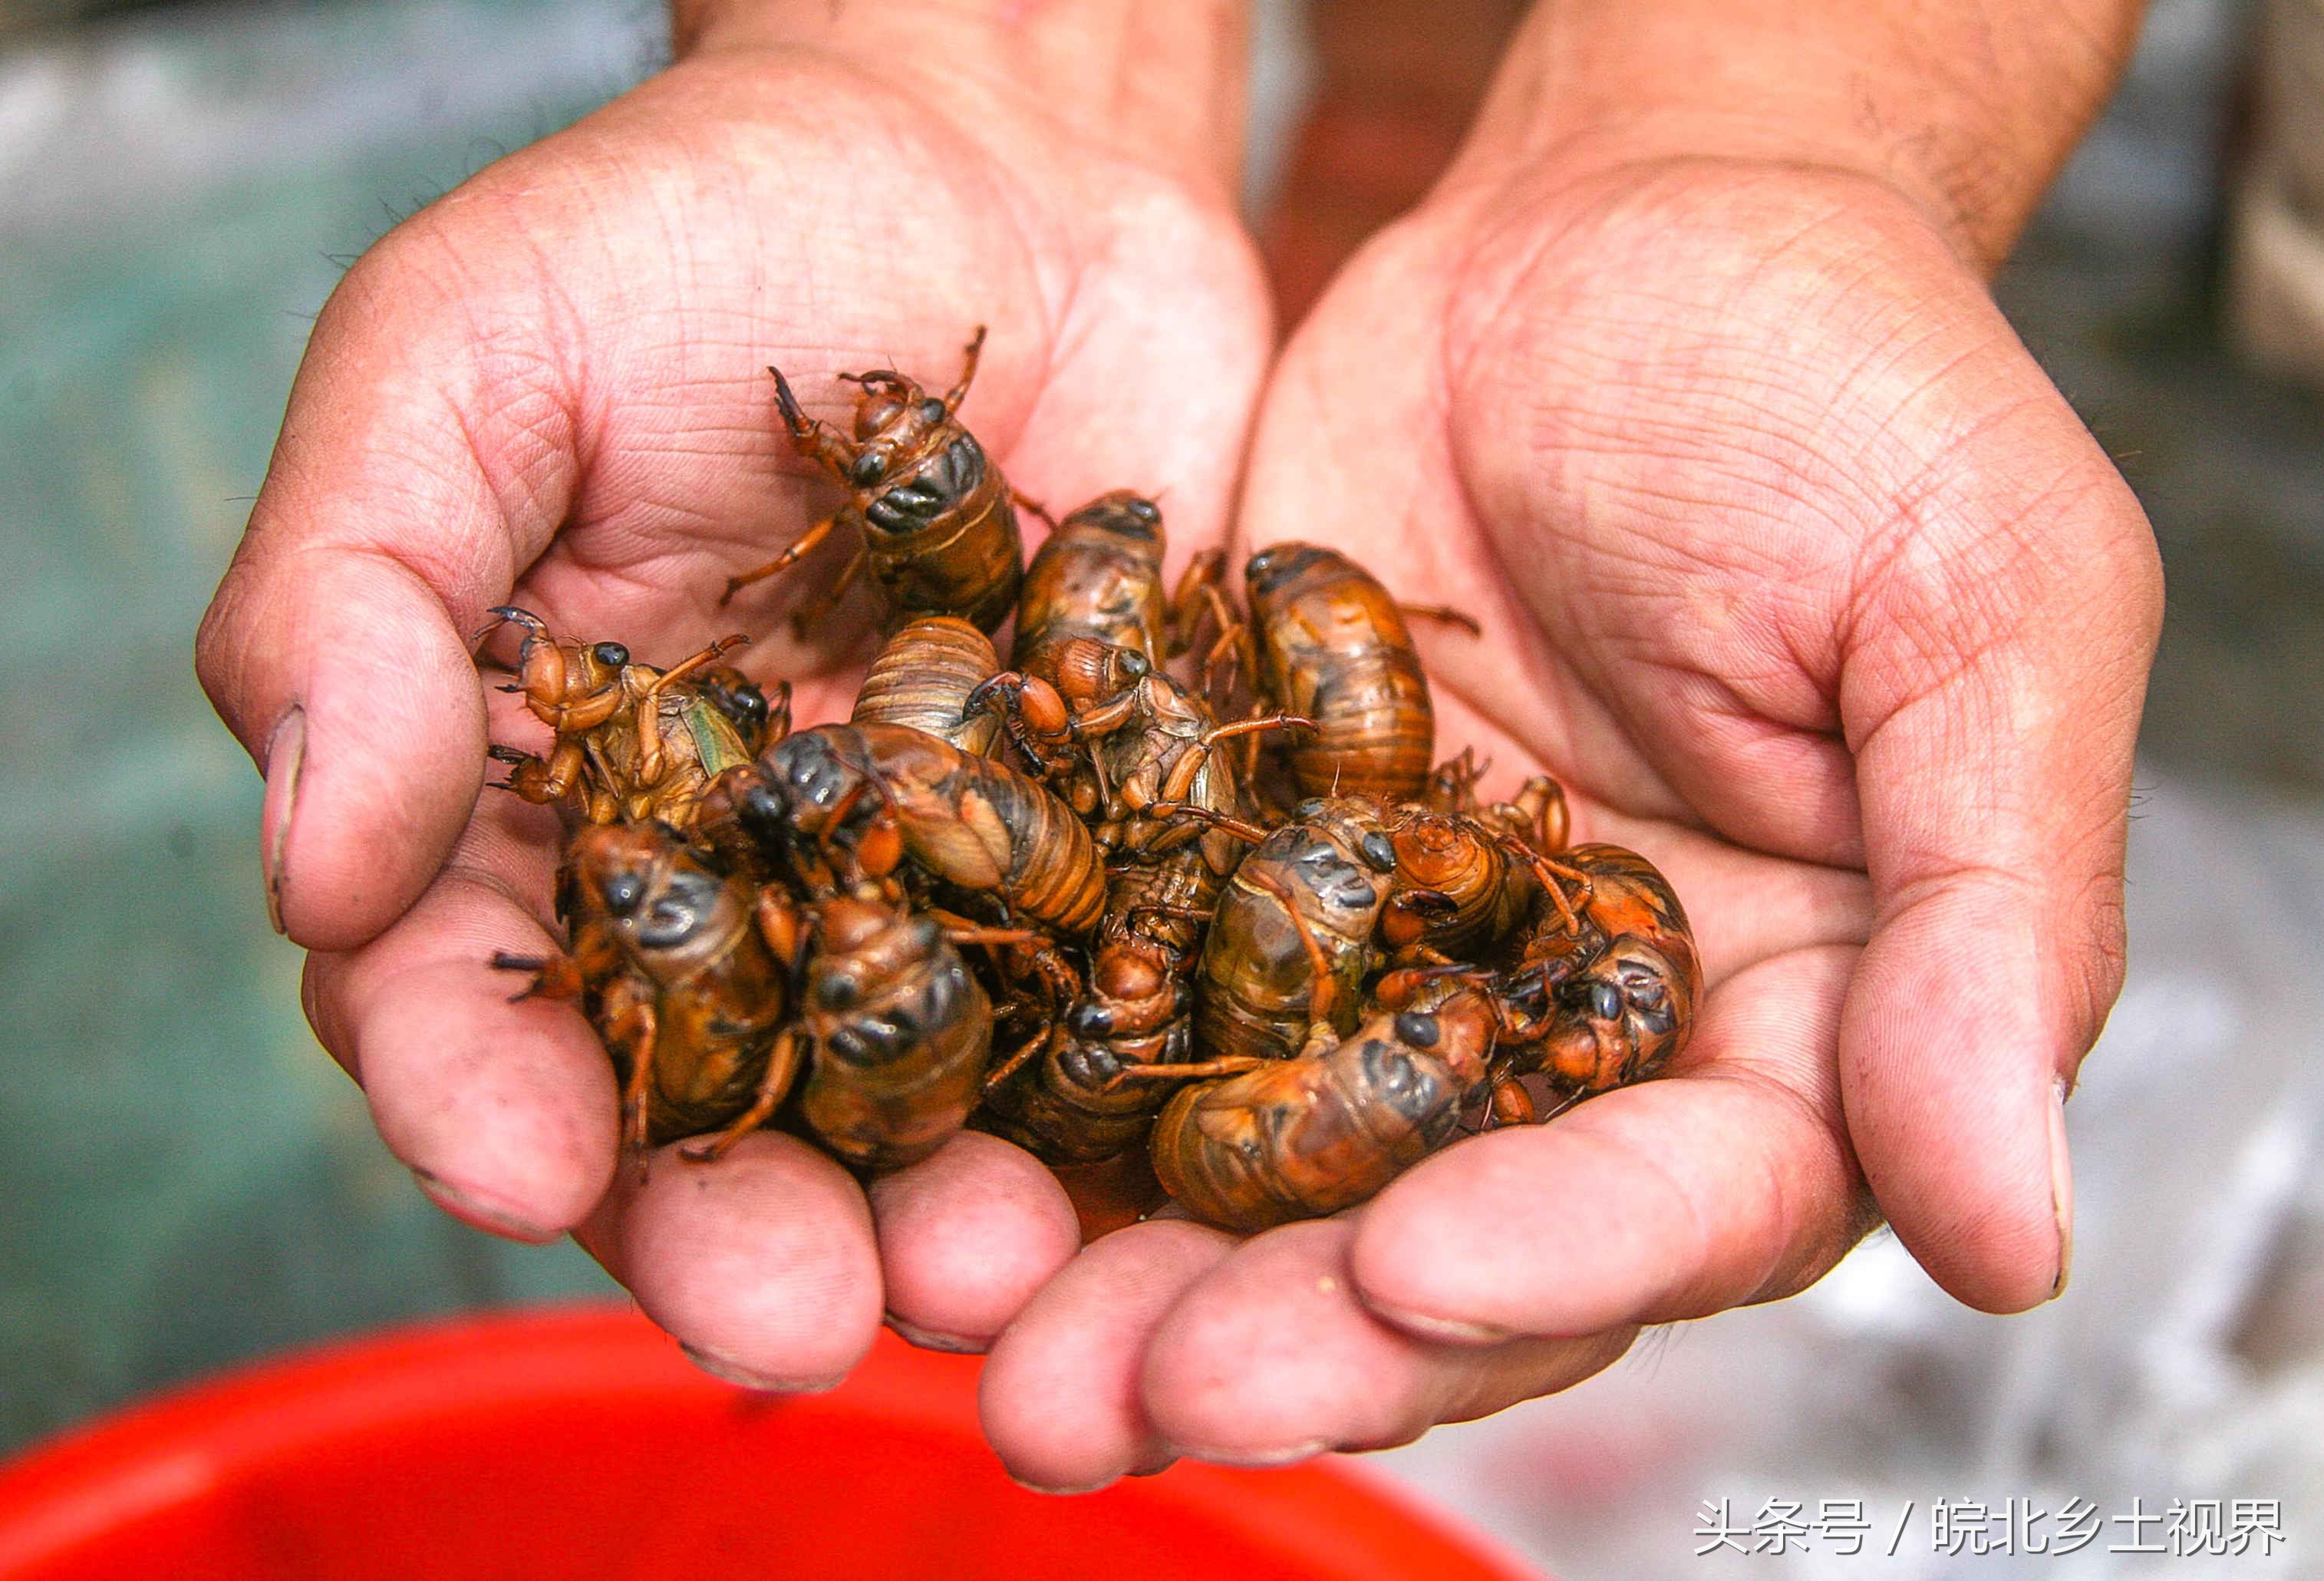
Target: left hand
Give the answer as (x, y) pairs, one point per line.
(1799, 574)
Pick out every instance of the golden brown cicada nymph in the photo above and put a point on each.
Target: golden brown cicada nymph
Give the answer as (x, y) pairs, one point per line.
(937, 520)
(967, 822)
(1293, 940)
(683, 972)
(1169, 883)
(1335, 650)
(925, 675)
(1609, 998)
(1307, 1136)
(900, 1032)
(1098, 577)
(634, 743)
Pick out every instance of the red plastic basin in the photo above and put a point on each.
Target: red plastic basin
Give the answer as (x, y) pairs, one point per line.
(577, 1442)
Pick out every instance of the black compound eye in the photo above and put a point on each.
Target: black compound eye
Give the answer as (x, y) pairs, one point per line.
(932, 410)
(837, 992)
(1134, 664)
(1090, 1019)
(611, 655)
(623, 892)
(1605, 1001)
(1418, 1029)
(867, 467)
(1145, 510)
(1379, 851)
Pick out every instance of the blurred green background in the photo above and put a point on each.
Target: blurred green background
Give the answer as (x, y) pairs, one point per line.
(185, 1178)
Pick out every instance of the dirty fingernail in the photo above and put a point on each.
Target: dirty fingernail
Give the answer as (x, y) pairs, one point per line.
(286, 759)
(1427, 1325)
(1254, 1459)
(1059, 1492)
(2061, 1188)
(743, 1377)
(935, 1340)
(477, 1213)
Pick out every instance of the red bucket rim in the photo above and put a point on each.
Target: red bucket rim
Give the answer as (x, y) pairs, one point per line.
(195, 1440)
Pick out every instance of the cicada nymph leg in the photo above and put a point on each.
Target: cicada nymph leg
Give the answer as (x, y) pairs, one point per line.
(816, 441)
(774, 1084)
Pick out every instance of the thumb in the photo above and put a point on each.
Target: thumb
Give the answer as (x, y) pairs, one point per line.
(392, 515)
(1991, 695)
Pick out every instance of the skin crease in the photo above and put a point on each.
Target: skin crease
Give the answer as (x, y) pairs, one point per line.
(1792, 565)
(1796, 571)
(549, 388)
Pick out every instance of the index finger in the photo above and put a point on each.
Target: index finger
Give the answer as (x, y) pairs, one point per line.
(1727, 1182)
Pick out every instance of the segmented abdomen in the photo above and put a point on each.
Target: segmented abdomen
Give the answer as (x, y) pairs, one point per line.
(979, 824)
(922, 677)
(1336, 652)
(1098, 576)
(1305, 1137)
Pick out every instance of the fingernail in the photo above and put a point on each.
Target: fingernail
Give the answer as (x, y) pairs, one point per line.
(1254, 1459)
(477, 1213)
(931, 1339)
(286, 757)
(743, 1377)
(1060, 1493)
(1425, 1326)
(2061, 1188)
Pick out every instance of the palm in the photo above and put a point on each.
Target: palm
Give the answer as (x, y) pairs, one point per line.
(1613, 443)
(1757, 502)
(629, 281)
(551, 390)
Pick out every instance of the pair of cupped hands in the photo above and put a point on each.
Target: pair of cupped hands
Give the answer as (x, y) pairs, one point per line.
(1790, 566)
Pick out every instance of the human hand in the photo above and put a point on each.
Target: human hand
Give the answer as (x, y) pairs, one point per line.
(550, 389)
(1797, 572)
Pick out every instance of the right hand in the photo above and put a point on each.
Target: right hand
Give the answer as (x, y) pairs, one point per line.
(550, 389)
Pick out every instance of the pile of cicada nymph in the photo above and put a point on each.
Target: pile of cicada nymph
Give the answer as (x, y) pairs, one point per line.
(1180, 877)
